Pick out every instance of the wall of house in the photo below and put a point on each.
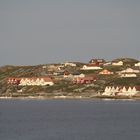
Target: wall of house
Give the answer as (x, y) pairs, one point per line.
(91, 68)
(117, 63)
(128, 75)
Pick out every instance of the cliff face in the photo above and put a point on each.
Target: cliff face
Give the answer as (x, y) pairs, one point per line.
(65, 86)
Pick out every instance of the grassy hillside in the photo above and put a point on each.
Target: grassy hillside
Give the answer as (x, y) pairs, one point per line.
(64, 86)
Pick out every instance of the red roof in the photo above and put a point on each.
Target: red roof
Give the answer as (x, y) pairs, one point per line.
(92, 65)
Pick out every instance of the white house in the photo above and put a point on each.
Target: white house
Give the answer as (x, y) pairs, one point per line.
(128, 75)
(79, 75)
(110, 91)
(106, 72)
(90, 67)
(70, 64)
(119, 63)
(107, 64)
(39, 81)
(120, 91)
(129, 72)
(72, 76)
(44, 67)
(137, 64)
(129, 91)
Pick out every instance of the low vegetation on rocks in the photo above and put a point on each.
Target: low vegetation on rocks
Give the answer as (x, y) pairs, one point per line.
(64, 86)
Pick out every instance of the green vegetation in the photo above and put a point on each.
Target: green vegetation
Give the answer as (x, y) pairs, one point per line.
(64, 86)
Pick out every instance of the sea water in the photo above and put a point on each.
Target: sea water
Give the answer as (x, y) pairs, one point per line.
(69, 120)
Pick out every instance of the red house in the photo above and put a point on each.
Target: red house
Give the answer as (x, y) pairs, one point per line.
(84, 80)
(97, 62)
(13, 81)
(105, 72)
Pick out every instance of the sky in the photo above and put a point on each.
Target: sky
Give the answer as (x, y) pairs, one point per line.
(52, 31)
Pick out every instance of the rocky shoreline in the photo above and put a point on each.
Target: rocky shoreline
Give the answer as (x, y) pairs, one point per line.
(98, 97)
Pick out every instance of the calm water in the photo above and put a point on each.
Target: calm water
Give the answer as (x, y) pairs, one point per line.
(69, 120)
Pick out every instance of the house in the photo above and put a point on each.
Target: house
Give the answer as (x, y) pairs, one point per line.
(106, 72)
(121, 91)
(51, 68)
(110, 91)
(60, 67)
(91, 67)
(13, 81)
(117, 63)
(137, 64)
(129, 72)
(67, 74)
(58, 73)
(25, 81)
(70, 64)
(97, 61)
(107, 63)
(84, 80)
(128, 75)
(128, 91)
(39, 81)
(44, 67)
(78, 75)
(73, 75)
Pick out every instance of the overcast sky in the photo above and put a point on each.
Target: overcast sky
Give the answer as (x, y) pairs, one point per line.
(51, 31)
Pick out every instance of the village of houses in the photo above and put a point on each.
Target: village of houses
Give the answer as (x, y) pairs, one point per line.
(120, 77)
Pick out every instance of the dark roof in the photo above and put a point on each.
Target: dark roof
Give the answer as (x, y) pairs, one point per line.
(97, 61)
